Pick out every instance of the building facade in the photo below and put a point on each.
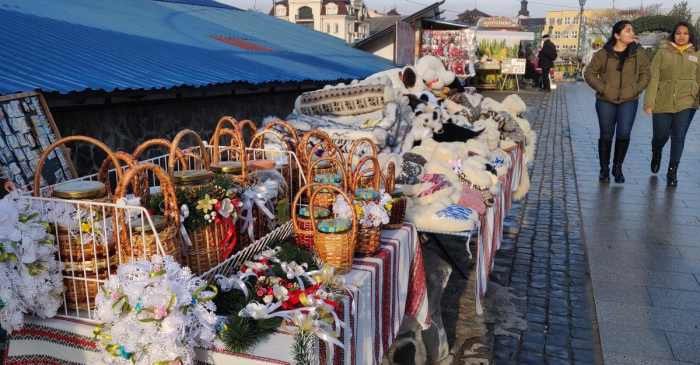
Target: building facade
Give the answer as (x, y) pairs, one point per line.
(564, 27)
(345, 19)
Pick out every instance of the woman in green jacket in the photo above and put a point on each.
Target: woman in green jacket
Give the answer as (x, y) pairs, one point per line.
(672, 95)
(618, 73)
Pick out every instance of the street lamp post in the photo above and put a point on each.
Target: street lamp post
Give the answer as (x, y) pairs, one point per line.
(580, 23)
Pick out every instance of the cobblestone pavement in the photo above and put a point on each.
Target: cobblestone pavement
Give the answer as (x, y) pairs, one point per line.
(541, 264)
(642, 242)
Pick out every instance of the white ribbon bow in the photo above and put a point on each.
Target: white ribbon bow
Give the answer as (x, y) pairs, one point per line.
(261, 196)
(184, 237)
(238, 280)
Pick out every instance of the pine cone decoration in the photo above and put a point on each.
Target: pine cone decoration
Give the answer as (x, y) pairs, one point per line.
(217, 193)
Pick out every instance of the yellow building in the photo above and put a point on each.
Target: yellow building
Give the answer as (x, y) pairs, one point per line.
(563, 29)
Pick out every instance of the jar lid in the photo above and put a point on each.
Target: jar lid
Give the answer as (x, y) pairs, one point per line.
(327, 178)
(139, 225)
(335, 225)
(78, 189)
(397, 193)
(322, 165)
(191, 175)
(366, 194)
(261, 164)
(319, 212)
(227, 167)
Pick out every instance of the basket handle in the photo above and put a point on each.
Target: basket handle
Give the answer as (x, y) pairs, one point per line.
(171, 211)
(45, 155)
(304, 157)
(355, 145)
(314, 227)
(247, 123)
(286, 125)
(332, 146)
(138, 185)
(298, 196)
(259, 139)
(390, 181)
(237, 135)
(160, 142)
(356, 175)
(234, 141)
(343, 179)
(174, 146)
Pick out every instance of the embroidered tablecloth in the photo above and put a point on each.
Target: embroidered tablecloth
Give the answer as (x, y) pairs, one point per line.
(393, 284)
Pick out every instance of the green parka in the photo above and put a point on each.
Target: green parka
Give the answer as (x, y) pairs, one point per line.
(615, 86)
(675, 77)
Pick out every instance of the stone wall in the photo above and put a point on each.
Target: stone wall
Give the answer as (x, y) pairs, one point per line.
(124, 126)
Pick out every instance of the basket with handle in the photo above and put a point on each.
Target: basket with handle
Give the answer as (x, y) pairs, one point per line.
(141, 242)
(290, 170)
(83, 261)
(368, 238)
(164, 143)
(247, 123)
(234, 152)
(325, 198)
(237, 148)
(335, 248)
(138, 186)
(331, 150)
(302, 147)
(365, 180)
(303, 232)
(398, 200)
(172, 157)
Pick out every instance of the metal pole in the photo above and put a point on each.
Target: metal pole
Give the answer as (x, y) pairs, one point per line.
(580, 23)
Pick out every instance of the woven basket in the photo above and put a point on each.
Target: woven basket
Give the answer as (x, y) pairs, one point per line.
(143, 244)
(303, 232)
(368, 239)
(236, 150)
(138, 186)
(366, 180)
(291, 170)
(258, 141)
(206, 250)
(243, 239)
(160, 142)
(335, 249)
(325, 198)
(202, 157)
(78, 296)
(398, 204)
(302, 147)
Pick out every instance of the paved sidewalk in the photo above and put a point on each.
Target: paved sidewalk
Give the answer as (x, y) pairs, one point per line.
(642, 240)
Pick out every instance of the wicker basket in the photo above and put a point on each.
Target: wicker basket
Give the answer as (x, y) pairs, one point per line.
(237, 148)
(143, 244)
(325, 197)
(160, 142)
(302, 148)
(398, 201)
(368, 238)
(138, 186)
(335, 249)
(206, 250)
(291, 170)
(303, 232)
(258, 141)
(364, 179)
(203, 155)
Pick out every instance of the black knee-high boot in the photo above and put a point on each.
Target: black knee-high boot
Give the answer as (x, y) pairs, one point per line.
(604, 147)
(621, 146)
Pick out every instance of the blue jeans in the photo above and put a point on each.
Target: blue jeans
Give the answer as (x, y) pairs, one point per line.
(673, 124)
(616, 116)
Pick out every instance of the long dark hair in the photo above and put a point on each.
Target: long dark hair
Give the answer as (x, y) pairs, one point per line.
(617, 29)
(691, 34)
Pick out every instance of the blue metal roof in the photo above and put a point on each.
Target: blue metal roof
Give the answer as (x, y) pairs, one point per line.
(77, 45)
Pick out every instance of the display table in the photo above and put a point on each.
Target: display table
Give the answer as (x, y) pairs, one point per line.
(392, 285)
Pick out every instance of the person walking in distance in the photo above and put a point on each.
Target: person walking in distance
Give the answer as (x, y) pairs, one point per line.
(547, 56)
(672, 97)
(618, 73)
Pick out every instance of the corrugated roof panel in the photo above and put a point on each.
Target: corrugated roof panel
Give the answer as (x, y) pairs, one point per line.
(74, 45)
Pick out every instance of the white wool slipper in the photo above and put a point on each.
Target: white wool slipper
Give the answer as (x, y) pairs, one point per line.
(423, 151)
(515, 104)
(448, 190)
(433, 218)
(501, 162)
(409, 189)
(443, 152)
(479, 177)
(478, 148)
(439, 167)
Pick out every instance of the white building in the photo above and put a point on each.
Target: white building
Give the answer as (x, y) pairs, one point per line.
(346, 19)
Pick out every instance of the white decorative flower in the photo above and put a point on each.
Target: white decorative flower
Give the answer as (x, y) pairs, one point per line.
(341, 208)
(293, 270)
(280, 293)
(255, 310)
(225, 208)
(267, 299)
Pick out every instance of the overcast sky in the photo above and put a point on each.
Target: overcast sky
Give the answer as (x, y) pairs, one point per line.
(538, 8)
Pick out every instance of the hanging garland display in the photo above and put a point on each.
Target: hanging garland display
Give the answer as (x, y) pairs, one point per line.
(154, 312)
(31, 276)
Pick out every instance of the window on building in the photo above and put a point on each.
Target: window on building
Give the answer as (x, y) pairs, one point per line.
(575, 20)
(557, 47)
(567, 20)
(574, 34)
(585, 20)
(558, 21)
(336, 27)
(557, 34)
(305, 12)
(572, 48)
(565, 48)
(328, 28)
(565, 35)
(551, 21)
(332, 10)
(281, 10)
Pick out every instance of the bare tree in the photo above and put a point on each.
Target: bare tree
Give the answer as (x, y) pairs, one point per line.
(681, 10)
(602, 22)
(467, 17)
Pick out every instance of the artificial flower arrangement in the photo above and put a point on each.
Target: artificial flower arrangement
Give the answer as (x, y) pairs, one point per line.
(154, 312)
(214, 202)
(31, 275)
(281, 286)
(369, 212)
